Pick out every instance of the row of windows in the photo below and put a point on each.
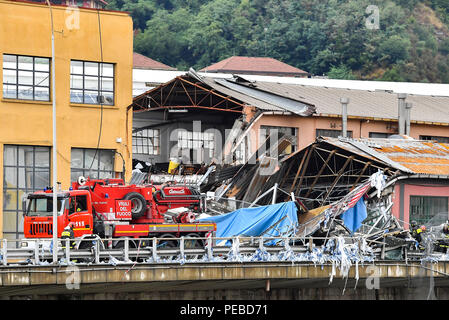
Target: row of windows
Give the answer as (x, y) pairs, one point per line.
(28, 78)
(148, 141)
(331, 133)
(91, 82)
(424, 208)
(435, 138)
(196, 140)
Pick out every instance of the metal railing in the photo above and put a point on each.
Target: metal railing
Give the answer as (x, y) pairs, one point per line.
(185, 250)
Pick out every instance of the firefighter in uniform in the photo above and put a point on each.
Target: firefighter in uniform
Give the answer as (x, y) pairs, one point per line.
(67, 233)
(417, 234)
(442, 244)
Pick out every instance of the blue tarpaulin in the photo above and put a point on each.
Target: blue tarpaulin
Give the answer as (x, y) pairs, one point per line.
(354, 216)
(255, 221)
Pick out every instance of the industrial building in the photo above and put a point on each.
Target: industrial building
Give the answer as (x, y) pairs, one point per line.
(301, 111)
(93, 82)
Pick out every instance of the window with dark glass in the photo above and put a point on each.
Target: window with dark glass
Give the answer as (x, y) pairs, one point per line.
(379, 135)
(26, 77)
(91, 82)
(87, 163)
(424, 208)
(435, 138)
(331, 133)
(77, 204)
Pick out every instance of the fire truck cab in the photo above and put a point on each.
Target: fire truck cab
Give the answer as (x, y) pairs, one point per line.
(73, 207)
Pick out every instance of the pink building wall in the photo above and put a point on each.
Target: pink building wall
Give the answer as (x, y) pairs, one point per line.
(413, 190)
(360, 127)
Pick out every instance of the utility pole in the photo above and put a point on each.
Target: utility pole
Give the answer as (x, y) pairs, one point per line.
(54, 165)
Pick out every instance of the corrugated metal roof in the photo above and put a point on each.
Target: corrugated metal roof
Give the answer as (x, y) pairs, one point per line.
(418, 156)
(363, 104)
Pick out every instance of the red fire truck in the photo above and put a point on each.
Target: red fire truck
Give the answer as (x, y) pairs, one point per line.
(109, 209)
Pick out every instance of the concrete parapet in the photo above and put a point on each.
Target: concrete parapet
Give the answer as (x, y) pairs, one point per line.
(149, 279)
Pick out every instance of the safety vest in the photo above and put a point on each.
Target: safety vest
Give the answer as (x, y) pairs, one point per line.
(66, 234)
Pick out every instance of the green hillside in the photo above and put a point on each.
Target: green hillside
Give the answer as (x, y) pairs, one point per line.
(326, 37)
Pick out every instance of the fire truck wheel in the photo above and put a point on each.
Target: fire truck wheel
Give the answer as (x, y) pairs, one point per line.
(121, 244)
(132, 245)
(168, 243)
(138, 204)
(86, 245)
(165, 243)
(190, 243)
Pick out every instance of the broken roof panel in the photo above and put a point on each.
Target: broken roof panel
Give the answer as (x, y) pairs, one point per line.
(264, 106)
(288, 104)
(242, 89)
(416, 156)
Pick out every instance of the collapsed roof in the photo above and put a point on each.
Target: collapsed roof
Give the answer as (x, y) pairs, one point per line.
(194, 91)
(232, 95)
(329, 168)
(407, 155)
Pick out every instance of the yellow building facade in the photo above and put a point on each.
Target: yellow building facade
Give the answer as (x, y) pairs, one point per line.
(93, 78)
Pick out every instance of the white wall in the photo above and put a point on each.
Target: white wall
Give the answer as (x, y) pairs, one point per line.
(142, 76)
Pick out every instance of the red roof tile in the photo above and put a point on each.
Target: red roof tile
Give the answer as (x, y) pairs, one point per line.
(254, 65)
(143, 62)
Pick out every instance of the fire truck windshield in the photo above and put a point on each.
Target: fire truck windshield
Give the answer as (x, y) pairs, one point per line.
(43, 207)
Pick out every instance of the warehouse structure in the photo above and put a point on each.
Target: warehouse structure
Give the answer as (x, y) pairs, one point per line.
(252, 109)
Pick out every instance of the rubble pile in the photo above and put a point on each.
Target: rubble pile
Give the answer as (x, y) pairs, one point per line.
(343, 191)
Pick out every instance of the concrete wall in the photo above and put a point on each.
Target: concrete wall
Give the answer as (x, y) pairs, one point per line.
(265, 280)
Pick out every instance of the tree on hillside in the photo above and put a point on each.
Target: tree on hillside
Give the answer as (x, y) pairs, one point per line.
(341, 72)
(322, 37)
